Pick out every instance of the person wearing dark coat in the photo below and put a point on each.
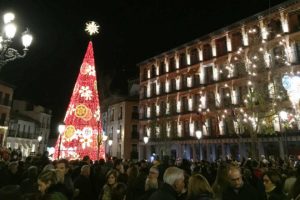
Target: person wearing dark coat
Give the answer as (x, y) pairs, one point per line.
(237, 188)
(83, 183)
(173, 185)
(273, 186)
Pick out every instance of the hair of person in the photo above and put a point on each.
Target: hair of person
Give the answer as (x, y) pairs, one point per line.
(84, 168)
(274, 177)
(233, 168)
(47, 176)
(198, 185)
(32, 172)
(64, 161)
(172, 174)
(151, 184)
(154, 169)
(113, 172)
(119, 191)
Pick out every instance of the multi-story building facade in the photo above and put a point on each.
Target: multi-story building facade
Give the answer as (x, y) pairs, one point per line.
(228, 85)
(122, 128)
(29, 122)
(6, 95)
(23, 134)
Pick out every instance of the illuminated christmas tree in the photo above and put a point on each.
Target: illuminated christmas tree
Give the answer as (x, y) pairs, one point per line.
(83, 129)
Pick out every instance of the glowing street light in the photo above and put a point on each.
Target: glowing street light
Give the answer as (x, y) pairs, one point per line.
(146, 139)
(199, 136)
(61, 130)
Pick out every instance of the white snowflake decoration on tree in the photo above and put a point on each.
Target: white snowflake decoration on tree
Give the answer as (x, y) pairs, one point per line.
(92, 28)
(85, 141)
(85, 92)
(97, 114)
(91, 70)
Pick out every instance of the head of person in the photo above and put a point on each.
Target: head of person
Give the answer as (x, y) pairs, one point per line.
(118, 165)
(153, 173)
(119, 192)
(32, 172)
(151, 184)
(111, 177)
(174, 177)
(11, 192)
(271, 180)
(62, 165)
(13, 167)
(198, 185)
(85, 170)
(46, 179)
(235, 177)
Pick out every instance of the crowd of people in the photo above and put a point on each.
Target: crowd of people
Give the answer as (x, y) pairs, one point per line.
(38, 178)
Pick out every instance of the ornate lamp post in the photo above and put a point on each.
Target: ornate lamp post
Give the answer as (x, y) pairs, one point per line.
(61, 130)
(146, 140)
(40, 138)
(110, 142)
(199, 136)
(7, 53)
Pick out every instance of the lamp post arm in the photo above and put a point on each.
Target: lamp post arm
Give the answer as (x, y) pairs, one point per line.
(10, 54)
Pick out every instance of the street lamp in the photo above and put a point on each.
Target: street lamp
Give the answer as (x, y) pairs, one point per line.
(110, 142)
(199, 136)
(61, 130)
(283, 116)
(39, 140)
(7, 53)
(146, 140)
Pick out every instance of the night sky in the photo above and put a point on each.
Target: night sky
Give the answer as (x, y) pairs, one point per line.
(131, 31)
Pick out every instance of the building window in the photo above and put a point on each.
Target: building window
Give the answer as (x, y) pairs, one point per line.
(134, 133)
(182, 60)
(172, 64)
(221, 46)
(207, 52)
(3, 119)
(6, 99)
(121, 113)
(194, 56)
(237, 41)
(135, 112)
(112, 114)
(208, 75)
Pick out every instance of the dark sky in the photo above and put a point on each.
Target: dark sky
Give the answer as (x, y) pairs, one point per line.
(131, 31)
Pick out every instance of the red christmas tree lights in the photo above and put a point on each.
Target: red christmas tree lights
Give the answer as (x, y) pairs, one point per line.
(83, 128)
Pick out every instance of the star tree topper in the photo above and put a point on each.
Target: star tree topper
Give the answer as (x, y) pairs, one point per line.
(92, 28)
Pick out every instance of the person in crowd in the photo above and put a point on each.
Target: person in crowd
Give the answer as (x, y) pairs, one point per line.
(220, 181)
(29, 184)
(237, 188)
(111, 181)
(132, 173)
(151, 184)
(84, 185)
(295, 193)
(199, 188)
(173, 185)
(122, 177)
(273, 186)
(11, 192)
(62, 167)
(289, 182)
(47, 184)
(10, 176)
(119, 192)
